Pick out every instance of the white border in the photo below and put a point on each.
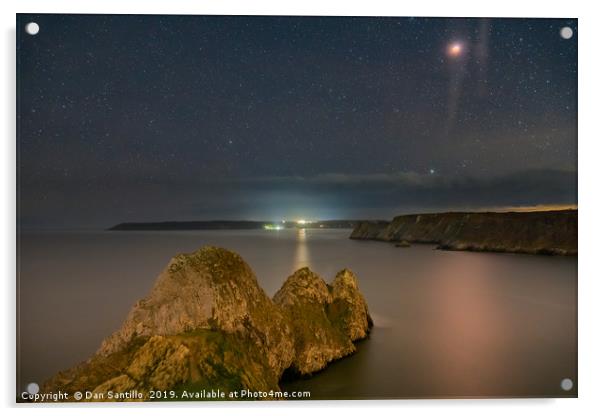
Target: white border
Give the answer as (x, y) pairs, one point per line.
(590, 274)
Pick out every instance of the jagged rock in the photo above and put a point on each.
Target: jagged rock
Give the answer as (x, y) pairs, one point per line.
(203, 359)
(212, 288)
(305, 297)
(349, 309)
(326, 319)
(207, 324)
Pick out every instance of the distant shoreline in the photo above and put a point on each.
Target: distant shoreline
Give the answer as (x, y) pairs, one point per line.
(233, 225)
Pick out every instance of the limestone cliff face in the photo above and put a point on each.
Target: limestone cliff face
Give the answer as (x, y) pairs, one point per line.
(349, 308)
(543, 232)
(210, 289)
(206, 324)
(202, 359)
(369, 230)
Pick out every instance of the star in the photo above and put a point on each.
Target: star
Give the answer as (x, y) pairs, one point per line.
(432, 94)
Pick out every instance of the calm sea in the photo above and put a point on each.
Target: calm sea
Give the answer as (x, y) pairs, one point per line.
(447, 324)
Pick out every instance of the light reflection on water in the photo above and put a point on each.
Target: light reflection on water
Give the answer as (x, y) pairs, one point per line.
(301, 252)
(446, 323)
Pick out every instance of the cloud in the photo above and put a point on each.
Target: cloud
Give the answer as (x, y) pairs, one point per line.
(324, 196)
(526, 185)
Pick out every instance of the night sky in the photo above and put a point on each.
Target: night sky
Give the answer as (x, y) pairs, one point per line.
(152, 118)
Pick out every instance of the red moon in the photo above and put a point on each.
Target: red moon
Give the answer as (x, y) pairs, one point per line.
(455, 49)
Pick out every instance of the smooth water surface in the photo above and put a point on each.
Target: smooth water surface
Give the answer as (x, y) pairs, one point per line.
(446, 323)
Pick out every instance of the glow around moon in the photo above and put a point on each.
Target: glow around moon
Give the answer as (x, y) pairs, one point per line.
(566, 32)
(32, 28)
(455, 49)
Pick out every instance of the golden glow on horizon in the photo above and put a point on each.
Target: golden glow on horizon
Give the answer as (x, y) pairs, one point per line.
(532, 208)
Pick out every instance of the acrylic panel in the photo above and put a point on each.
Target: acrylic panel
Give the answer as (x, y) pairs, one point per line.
(295, 208)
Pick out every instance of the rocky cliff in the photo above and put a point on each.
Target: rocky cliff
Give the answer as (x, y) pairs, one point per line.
(206, 324)
(541, 232)
(326, 319)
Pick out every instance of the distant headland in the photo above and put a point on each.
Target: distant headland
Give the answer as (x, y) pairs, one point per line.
(534, 232)
(531, 232)
(232, 225)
